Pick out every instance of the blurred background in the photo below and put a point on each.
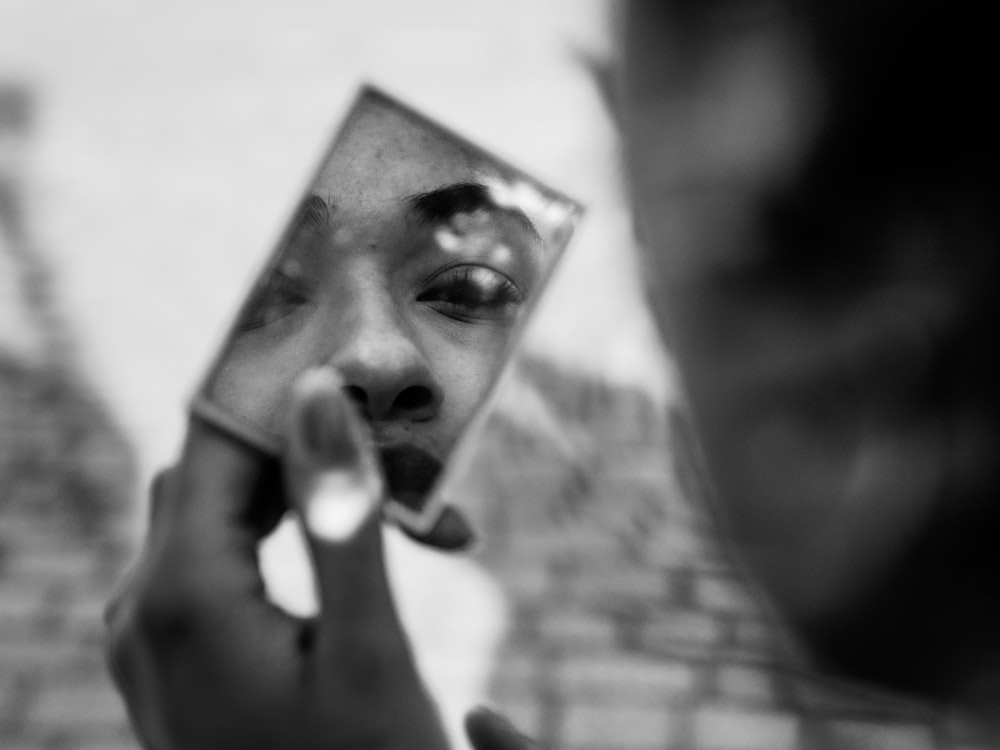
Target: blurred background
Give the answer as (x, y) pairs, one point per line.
(150, 154)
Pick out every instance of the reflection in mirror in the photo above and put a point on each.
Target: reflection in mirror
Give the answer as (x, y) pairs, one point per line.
(409, 267)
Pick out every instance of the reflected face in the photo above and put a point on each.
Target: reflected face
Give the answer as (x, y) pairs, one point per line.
(415, 314)
(407, 268)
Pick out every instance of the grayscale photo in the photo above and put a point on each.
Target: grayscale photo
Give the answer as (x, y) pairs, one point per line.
(448, 375)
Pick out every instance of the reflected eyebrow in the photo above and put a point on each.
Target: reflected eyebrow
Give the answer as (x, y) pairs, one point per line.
(438, 206)
(314, 212)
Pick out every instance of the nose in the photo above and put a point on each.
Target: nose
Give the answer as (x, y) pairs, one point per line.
(385, 372)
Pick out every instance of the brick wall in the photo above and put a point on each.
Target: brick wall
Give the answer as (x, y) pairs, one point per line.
(65, 484)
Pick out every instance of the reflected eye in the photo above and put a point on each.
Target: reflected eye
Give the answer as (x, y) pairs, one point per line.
(472, 293)
(273, 299)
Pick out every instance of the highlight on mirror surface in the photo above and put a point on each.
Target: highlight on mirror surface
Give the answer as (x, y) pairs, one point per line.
(409, 267)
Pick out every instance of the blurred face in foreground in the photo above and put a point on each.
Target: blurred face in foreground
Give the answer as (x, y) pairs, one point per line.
(815, 193)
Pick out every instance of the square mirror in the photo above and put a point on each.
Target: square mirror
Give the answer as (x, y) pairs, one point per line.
(409, 267)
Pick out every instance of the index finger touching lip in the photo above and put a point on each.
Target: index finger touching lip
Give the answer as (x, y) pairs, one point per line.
(334, 481)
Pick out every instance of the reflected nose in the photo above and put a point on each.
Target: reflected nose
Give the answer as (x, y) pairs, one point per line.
(386, 374)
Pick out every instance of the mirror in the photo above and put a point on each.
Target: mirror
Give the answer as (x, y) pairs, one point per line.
(410, 267)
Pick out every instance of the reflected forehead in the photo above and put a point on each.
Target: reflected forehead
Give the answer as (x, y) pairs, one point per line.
(383, 156)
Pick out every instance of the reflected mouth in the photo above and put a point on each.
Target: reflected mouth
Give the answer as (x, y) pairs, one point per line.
(410, 473)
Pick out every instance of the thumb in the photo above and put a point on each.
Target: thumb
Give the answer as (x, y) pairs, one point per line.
(331, 473)
(334, 481)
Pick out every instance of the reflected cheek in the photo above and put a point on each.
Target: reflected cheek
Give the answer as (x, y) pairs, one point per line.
(465, 367)
(255, 380)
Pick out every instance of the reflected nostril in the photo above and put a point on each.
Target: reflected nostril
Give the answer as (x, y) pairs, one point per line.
(357, 395)
(413, 398)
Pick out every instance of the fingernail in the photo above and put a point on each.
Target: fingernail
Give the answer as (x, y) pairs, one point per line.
(455, 532)
(323, 432)
(332, 475)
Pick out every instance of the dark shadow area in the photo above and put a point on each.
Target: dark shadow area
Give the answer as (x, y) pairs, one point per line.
(632, 625)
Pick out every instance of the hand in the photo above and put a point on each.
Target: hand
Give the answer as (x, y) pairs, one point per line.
(203, 660)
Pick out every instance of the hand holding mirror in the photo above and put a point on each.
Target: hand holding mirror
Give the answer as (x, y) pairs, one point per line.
(409, 268)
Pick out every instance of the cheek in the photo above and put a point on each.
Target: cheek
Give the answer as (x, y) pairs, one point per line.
(258, 370)
(465, 364)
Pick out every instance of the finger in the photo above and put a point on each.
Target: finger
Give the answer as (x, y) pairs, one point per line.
(211, 499)
(202, 588)
(452, 532)
(123, 589)
(488, 730)
(334, 482)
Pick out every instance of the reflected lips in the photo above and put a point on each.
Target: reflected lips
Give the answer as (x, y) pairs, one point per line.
(410, 473)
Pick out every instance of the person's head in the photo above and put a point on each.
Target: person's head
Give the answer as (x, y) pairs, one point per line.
(405, 271)
(814, 188)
